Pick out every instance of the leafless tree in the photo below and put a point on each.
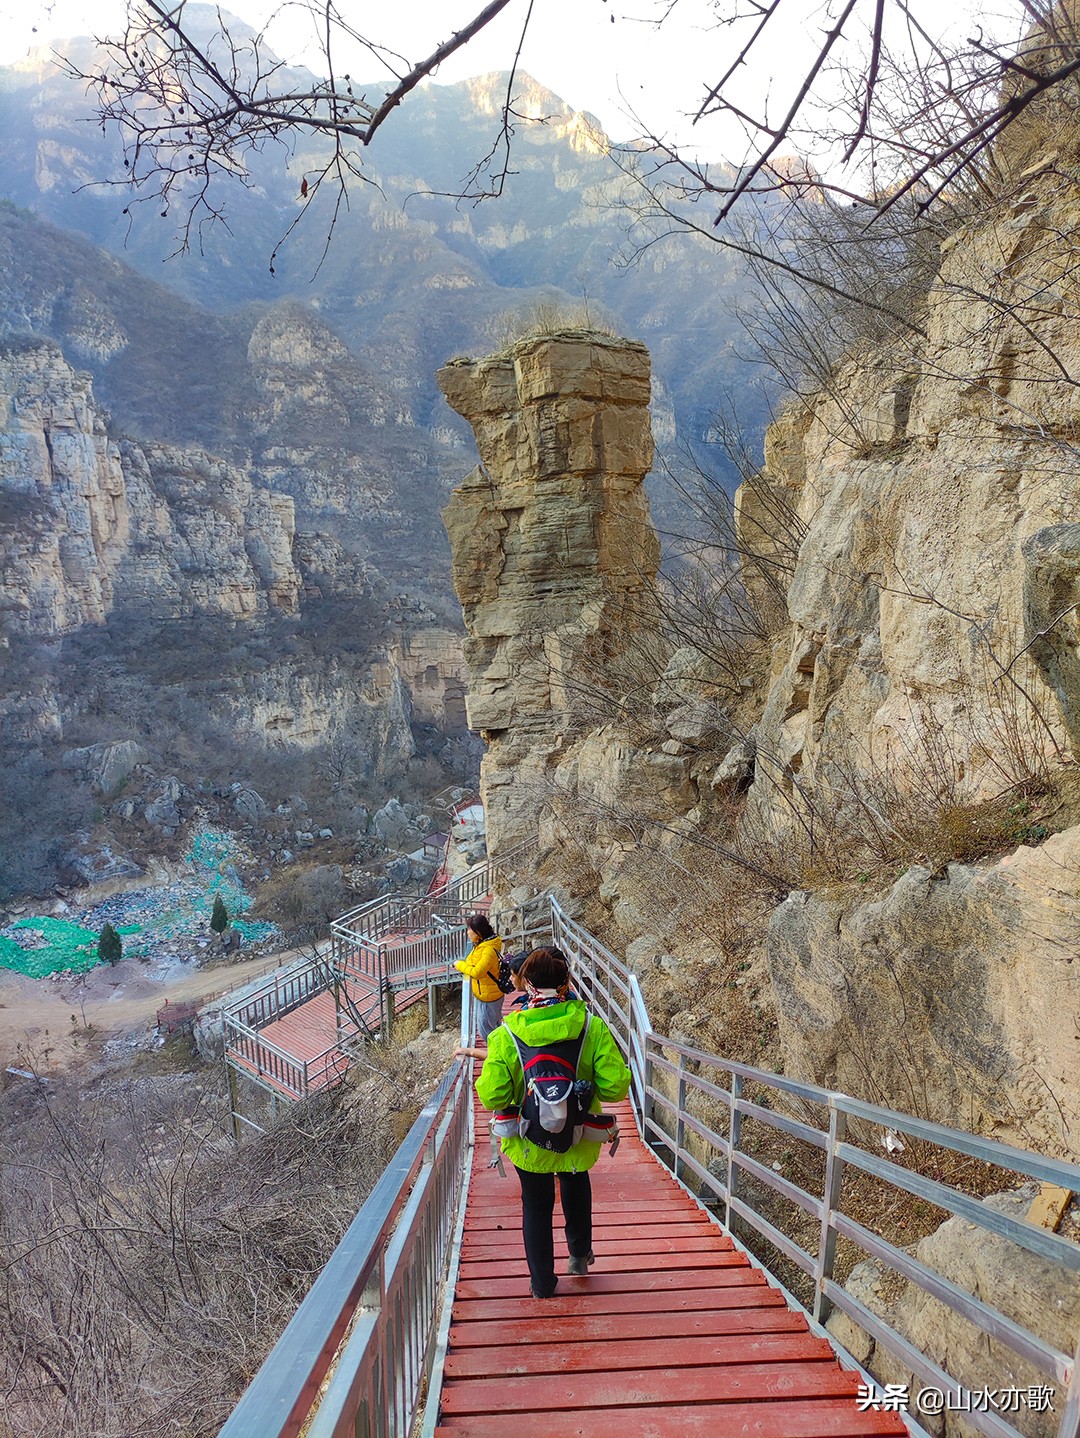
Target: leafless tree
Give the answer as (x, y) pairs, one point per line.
(890, 107)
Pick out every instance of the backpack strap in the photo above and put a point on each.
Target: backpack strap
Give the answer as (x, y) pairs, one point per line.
(496, 1155)
(523, 1048)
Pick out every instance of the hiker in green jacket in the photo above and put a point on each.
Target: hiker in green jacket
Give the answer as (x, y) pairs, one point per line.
(551, 1018)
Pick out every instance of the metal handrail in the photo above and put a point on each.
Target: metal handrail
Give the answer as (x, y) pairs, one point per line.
(370, 1315)
(265, 1058)
(400, 962)
(285, 989)
(668, 1123)
(390, 914)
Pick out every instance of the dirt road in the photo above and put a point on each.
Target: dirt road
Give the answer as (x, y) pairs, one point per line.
(45, 1021)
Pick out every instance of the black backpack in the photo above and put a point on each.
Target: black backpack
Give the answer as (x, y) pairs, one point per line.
(556, 1102)
(503, 977)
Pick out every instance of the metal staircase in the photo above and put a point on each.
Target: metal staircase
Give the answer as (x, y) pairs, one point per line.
(293, 1035)
(373, 1334)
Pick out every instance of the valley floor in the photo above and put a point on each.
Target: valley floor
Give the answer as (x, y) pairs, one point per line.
(36, 1015)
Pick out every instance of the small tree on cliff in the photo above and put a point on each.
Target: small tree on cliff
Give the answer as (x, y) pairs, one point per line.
(110, 948)
(219, 919)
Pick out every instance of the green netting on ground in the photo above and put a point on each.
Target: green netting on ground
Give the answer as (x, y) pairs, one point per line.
(216, 853)
(66, 946)
(252, 931)
(161, 923)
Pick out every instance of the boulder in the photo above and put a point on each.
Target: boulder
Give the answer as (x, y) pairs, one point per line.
(107, 765)
(101, 865)
(162, 813)
(964, 985)
(399, 871)
(391, 823)
(250, 805)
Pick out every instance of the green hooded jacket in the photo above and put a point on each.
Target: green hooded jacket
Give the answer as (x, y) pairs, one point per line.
(501, 1082)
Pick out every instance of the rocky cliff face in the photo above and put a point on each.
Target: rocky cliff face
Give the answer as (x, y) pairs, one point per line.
(898, 757)
(432, 669)
(92, 522)
(96, 531)
(552, 550)
(926, 683)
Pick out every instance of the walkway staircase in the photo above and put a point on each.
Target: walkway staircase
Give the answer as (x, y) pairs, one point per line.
(679, 1328)
(674, 1331)
(294, 1034)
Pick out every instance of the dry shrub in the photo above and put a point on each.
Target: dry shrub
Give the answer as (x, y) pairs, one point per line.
(545, 318)
(944, 794)
(147, 1268)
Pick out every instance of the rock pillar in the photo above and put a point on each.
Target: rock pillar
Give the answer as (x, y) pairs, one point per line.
(553, 552)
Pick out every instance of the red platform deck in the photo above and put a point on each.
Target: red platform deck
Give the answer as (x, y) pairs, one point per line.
(308, 1033)
(674, 1332)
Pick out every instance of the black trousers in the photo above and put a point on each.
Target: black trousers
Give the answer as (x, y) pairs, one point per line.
(537, 1212)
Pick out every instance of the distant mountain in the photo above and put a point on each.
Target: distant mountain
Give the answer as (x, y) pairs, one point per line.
(413, 277)
(220, 488)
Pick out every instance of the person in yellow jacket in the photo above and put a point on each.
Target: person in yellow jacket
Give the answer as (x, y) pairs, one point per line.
(481, 966)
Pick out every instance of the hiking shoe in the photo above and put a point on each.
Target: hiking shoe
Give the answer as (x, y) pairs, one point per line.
(581, 1266)
(549, 1294)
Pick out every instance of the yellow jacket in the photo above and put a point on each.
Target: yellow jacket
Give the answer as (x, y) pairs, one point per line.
(481, 964)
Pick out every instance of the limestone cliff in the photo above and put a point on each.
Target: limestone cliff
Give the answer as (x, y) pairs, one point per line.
(924, 692)
(896, 755)
(552, 550)
(97, 531)
(432, 669)
(91, 521)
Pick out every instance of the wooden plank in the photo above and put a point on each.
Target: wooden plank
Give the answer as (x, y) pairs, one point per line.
(591, 1302)
(638, 1354)
(816, 1418)
(612, 1193)
(553, 1393)
(590, 1327)
(632, 1281)
(655, 1254)
(636, 1262)
(1048, 1206)
(611, 1234)
(662, 1221)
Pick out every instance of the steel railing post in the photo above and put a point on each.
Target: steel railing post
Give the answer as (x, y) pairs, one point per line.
(1070, 1419)
(680, 1109)
(648, 1108)
(834, 1178)
(734, 1131)
(466, 1014)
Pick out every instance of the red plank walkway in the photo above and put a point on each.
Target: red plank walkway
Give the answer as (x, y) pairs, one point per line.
(309, 1032)
(674, 1332)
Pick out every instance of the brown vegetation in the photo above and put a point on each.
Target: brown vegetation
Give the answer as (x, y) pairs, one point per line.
(145, 1267)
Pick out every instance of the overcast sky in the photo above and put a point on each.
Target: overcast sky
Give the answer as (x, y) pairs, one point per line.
(605, 56)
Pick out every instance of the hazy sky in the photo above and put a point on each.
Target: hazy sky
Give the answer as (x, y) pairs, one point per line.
(573, 46)
(605, 56)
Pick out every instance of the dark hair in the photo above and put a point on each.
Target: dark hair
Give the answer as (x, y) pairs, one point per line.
(480, 926)
(546, 969)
